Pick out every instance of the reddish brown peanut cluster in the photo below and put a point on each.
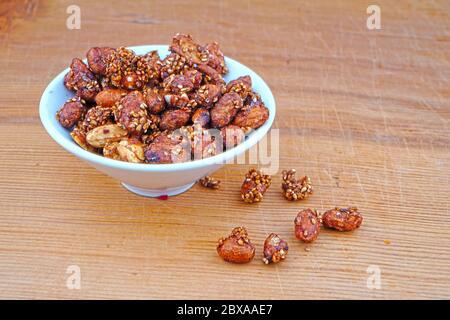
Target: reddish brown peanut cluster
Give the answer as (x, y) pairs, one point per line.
(275, 249)
(209, 182)
(237, 247)
(342, 219)
(154, 99)
(307, 225)
(256, 184)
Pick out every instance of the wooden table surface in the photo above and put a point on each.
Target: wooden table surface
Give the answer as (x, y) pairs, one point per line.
(365, 113)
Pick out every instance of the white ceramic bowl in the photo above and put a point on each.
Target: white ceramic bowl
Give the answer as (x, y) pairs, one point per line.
(152, 180)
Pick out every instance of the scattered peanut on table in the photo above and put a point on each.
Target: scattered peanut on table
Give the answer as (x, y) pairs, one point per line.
(275, 249)
(143, 109)
(307, 222)
(237, 247)
(254, 186)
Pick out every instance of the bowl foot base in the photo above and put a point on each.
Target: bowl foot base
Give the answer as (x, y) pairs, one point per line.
(154, 193)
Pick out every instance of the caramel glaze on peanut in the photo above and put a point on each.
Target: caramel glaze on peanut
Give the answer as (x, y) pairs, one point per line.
(342, 219)
(237, 247)
(148, 96)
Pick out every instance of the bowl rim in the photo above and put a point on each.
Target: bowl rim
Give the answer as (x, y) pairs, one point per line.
(218, 159)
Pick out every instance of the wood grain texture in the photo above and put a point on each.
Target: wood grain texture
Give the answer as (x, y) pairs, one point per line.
(364, 113)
